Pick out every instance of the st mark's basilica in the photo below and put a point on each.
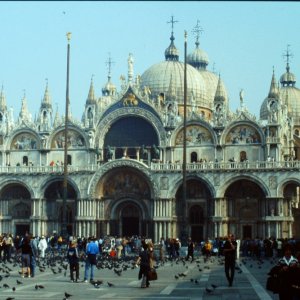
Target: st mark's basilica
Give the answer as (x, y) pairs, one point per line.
(125, 171)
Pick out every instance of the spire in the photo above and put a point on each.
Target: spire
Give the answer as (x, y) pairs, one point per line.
(220, 95)
(3, 106)
(91, 96)
(46, 102)
(57, 119)
(171, 53)
(273, 93)
(24, 113)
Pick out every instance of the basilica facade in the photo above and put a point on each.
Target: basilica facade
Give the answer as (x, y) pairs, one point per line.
(125, 158)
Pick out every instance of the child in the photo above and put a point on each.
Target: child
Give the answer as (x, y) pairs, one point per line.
(73, 258)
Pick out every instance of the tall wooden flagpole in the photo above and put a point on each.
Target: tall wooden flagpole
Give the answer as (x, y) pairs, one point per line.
(65, 182)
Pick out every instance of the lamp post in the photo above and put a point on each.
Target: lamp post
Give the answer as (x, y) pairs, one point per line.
(65, 182)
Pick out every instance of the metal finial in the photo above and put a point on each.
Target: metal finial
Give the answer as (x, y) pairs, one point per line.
(287, 54)
(172, 22)
(109, 63)
(69, 36)
(24, 93)
(197, 30)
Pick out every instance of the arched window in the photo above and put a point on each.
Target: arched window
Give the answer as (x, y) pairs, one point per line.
(194, 157)
(243, 156)
(25, 160)
(69, 160)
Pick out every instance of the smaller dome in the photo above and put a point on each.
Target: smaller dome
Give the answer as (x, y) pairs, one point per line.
(288, 78)
(109, 88)
(198, 59)
(172, 53)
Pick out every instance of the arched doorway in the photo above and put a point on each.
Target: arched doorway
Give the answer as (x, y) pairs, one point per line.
(130, 217)
(54, 206)
(18, 199)
(245, 204)
(198, 197)
(196, 221)
(126, 200)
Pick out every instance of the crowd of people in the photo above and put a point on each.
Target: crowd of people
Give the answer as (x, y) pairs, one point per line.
(29, 249)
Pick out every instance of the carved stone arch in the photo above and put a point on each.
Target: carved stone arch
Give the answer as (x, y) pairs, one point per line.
(48, 182)
(286, 182)
(11, 182)
(258, 181)
(104, 124)
(119, 164)
(116, 205)
(21, 210)
(205, 181)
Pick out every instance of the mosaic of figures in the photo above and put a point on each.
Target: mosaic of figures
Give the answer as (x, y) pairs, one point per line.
(75, 140)
(195, 135)
(24, 141)
(243, 135)
(125, 182)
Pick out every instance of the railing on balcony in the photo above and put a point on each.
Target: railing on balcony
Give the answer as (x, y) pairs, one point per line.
(205, 166)
(160, 167)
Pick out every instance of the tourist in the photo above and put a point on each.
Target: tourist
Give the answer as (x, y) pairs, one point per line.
(229, 251)
(92, 250)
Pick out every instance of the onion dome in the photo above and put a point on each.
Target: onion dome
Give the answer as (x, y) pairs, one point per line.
(172, 53)
(109, 88)
(288, 78)
(289, 95)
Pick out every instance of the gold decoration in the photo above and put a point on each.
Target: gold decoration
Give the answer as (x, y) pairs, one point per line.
(130, 100)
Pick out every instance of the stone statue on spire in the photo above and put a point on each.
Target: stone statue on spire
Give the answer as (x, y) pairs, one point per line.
(130, 67)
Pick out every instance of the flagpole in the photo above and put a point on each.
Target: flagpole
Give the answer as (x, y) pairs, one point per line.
(65, 182)
(184, 206)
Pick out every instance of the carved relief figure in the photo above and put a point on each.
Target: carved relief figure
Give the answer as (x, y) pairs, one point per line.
(75, 140)
(243, 135)
(195, 135)
(24, 141)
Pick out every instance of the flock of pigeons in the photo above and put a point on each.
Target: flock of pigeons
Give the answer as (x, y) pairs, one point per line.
(58, 264)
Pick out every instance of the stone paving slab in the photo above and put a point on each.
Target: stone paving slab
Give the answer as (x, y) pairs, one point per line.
(249, 283)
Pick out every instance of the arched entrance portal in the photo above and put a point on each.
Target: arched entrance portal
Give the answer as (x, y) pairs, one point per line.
(245, 207)
(126, 200)
(130, 217)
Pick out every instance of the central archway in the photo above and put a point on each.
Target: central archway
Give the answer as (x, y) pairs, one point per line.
(130, 219)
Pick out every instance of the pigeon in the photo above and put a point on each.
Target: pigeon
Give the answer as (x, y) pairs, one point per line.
(208, 290)
(176, 277)
(13, 289)
(68, 295)
(38, 286)
(6, 286)
(19, 282)
(192, 280)
(214, 286)
(110, 284)
(10, 298)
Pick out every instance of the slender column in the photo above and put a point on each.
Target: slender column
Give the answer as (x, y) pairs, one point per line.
(155, 231)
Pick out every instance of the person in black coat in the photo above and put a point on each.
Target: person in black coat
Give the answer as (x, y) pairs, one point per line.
(73, 259)
(229, 251)
(144, 262)
(191, 247)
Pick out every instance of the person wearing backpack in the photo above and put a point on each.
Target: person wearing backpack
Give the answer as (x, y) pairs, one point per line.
(73, 258)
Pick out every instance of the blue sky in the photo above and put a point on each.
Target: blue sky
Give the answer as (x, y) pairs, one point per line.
(243, 40)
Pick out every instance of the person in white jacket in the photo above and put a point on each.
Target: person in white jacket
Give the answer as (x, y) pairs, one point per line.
(42, 246)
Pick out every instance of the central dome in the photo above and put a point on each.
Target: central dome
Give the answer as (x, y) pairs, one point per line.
(161, 77)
